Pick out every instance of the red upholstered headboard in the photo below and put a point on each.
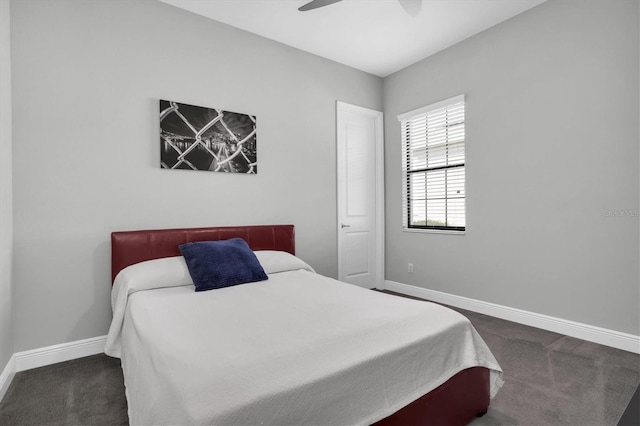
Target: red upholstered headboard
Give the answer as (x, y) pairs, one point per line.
(129, 247)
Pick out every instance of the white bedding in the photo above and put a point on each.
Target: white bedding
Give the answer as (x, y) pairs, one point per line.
(299, 348)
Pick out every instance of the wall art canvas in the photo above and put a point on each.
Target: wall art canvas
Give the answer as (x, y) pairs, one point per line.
(199, 138)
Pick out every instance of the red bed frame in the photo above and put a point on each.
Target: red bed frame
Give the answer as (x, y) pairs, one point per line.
(131, 247)
(456, 402)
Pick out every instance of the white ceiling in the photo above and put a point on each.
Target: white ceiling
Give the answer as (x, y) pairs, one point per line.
(376, 36)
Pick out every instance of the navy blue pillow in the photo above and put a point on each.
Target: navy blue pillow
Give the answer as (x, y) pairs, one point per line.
(218, 264)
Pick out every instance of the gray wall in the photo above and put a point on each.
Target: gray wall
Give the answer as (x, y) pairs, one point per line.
(6, 203)
(552, 125)
(87, 79)
(552, 152)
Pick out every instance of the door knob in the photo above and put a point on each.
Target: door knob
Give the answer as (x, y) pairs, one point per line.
(346, 226)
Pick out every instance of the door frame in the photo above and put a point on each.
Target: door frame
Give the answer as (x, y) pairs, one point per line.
(379, 227)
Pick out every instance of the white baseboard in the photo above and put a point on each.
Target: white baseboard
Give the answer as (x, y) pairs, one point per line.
(603, 336)
(58, 353)
(48, 355)
(7, 376)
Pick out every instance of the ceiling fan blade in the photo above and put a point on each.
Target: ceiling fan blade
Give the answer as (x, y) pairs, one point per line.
(316, 4)
(412, 7)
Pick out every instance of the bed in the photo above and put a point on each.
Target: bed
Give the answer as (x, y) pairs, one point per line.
(297, 348)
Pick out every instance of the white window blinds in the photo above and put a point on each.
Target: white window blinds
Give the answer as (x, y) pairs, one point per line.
(433, 166)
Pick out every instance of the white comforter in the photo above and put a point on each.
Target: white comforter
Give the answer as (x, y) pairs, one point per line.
(299, 348)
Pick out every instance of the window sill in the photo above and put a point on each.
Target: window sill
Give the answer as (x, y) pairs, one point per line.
(433, 231)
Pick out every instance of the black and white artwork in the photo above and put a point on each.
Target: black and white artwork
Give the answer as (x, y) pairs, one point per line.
(199, 138)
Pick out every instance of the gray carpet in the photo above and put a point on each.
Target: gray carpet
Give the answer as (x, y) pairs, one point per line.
(84, 391)
(550, 379)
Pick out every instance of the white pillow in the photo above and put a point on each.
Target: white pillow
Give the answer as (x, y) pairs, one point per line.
(173, 271)
(156, 273)
(274, 261)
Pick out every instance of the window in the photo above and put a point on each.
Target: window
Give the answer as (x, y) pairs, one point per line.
(433, 166)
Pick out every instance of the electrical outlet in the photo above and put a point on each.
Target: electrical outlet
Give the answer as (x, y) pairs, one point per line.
(410, 268)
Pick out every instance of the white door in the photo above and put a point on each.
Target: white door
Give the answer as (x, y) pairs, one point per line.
(360, 196)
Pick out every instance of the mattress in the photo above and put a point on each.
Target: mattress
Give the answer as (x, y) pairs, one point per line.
(299, 348)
